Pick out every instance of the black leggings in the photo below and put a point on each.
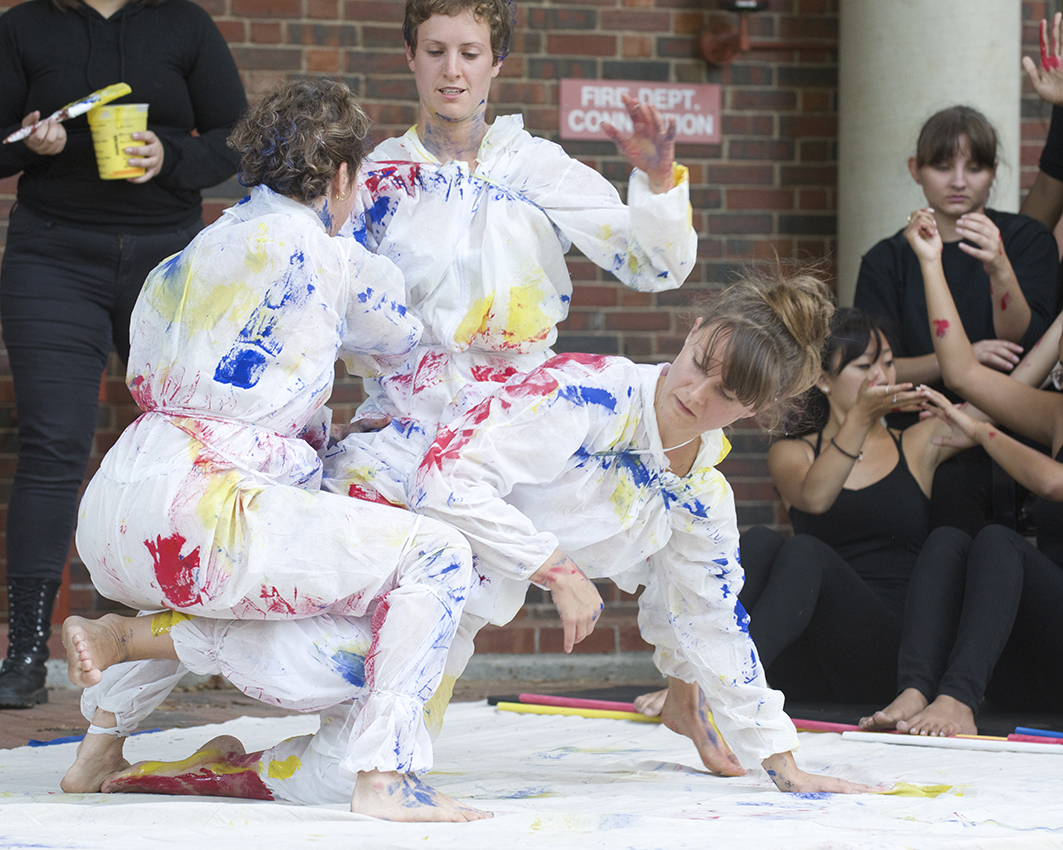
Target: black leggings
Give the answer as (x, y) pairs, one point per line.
(822, 632)
(982, 617)
(65, 298)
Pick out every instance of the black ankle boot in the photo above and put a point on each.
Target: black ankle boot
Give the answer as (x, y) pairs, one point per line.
(22, 675)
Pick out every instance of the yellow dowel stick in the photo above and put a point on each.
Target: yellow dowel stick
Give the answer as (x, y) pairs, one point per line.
(524, 708)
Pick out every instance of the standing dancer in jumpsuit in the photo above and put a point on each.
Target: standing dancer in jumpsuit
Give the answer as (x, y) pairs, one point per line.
(210, 503)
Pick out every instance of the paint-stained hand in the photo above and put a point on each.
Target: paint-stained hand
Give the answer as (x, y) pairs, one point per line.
(148, 156)
(965, 430)
(1047, 80)
(48, 139)
(650, 145)
(575, 596)
(1000, 354)
(922, 234)
(988, 246)
(787, 777)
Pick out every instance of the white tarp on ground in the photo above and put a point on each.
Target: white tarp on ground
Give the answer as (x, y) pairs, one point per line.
(563, 782)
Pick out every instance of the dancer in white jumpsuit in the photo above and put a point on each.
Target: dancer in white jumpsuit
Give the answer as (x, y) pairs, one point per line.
(594, 466)
(210, 503)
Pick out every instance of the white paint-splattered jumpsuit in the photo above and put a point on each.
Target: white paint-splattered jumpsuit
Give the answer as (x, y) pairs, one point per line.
(483, 253)
(210, 502)
(569, 457)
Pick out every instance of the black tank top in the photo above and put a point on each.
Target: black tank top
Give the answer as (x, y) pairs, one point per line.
(878, 529)
(1048, 519)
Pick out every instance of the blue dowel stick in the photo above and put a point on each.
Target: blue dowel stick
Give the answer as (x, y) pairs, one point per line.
(1040, 733)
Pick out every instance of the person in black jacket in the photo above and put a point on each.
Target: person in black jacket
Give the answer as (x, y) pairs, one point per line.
(78, 249)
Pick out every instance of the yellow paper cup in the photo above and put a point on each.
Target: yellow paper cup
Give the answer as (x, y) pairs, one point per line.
(113, 126)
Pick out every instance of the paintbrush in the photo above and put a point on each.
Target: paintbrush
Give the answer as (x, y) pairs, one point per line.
(78, 107)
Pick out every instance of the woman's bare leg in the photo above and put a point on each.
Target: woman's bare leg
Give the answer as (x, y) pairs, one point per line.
(687, 712)
(98, 756)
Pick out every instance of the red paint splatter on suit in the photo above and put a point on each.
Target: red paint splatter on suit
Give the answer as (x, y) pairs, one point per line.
(366, 494)
(493, 374)
(402, 175)
(450, 441)
(380, 614)
(430, 370)
(598, 362)
(277, 604)
(941, 327)
(176, 575)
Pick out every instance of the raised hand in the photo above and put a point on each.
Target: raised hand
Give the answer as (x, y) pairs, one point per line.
(964, 433)
(1047, 79)
(922, 234)
(650, 145)
(999, 354)
(875, 400)
(988, 245)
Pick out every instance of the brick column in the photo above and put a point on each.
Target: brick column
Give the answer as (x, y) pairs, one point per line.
(899, 63)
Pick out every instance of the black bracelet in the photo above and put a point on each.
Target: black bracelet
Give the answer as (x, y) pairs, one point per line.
(859, 456)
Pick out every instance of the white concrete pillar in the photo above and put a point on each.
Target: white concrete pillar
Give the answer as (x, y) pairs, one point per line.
(900, 61)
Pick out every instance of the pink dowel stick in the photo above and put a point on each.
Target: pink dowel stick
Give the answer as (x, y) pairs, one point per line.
(822, 726)
(573, 702)
(1034, 739)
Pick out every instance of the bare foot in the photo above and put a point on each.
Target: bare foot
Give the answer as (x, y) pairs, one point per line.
(91, 647)
(220, 768)
(687, 712)
(651, 704)
(944, 716)
(98, 757)
(908, 703)
(390, 795)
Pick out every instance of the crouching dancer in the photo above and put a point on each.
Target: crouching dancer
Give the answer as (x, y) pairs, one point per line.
(591, 467)
(210, 503)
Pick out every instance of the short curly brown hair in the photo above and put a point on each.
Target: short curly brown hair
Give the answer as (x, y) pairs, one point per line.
(499, 15)
(295, 139)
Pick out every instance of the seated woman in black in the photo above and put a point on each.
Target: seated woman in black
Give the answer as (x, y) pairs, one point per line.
(984, 614)
(826, 605)
(1002, 270)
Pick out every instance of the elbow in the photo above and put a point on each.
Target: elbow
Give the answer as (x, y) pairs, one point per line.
(1051, 488)
(816, 507)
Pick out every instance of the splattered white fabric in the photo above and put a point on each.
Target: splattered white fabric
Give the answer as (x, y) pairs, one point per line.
(562, 783)
(483, 253)
(210, 502)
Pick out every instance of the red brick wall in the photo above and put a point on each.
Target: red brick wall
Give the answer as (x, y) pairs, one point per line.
(770, 186)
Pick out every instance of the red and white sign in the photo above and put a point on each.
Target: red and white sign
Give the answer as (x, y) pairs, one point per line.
(585, 104)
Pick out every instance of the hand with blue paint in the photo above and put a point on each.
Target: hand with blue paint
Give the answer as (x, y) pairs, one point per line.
(575, 596)
(650, 145)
